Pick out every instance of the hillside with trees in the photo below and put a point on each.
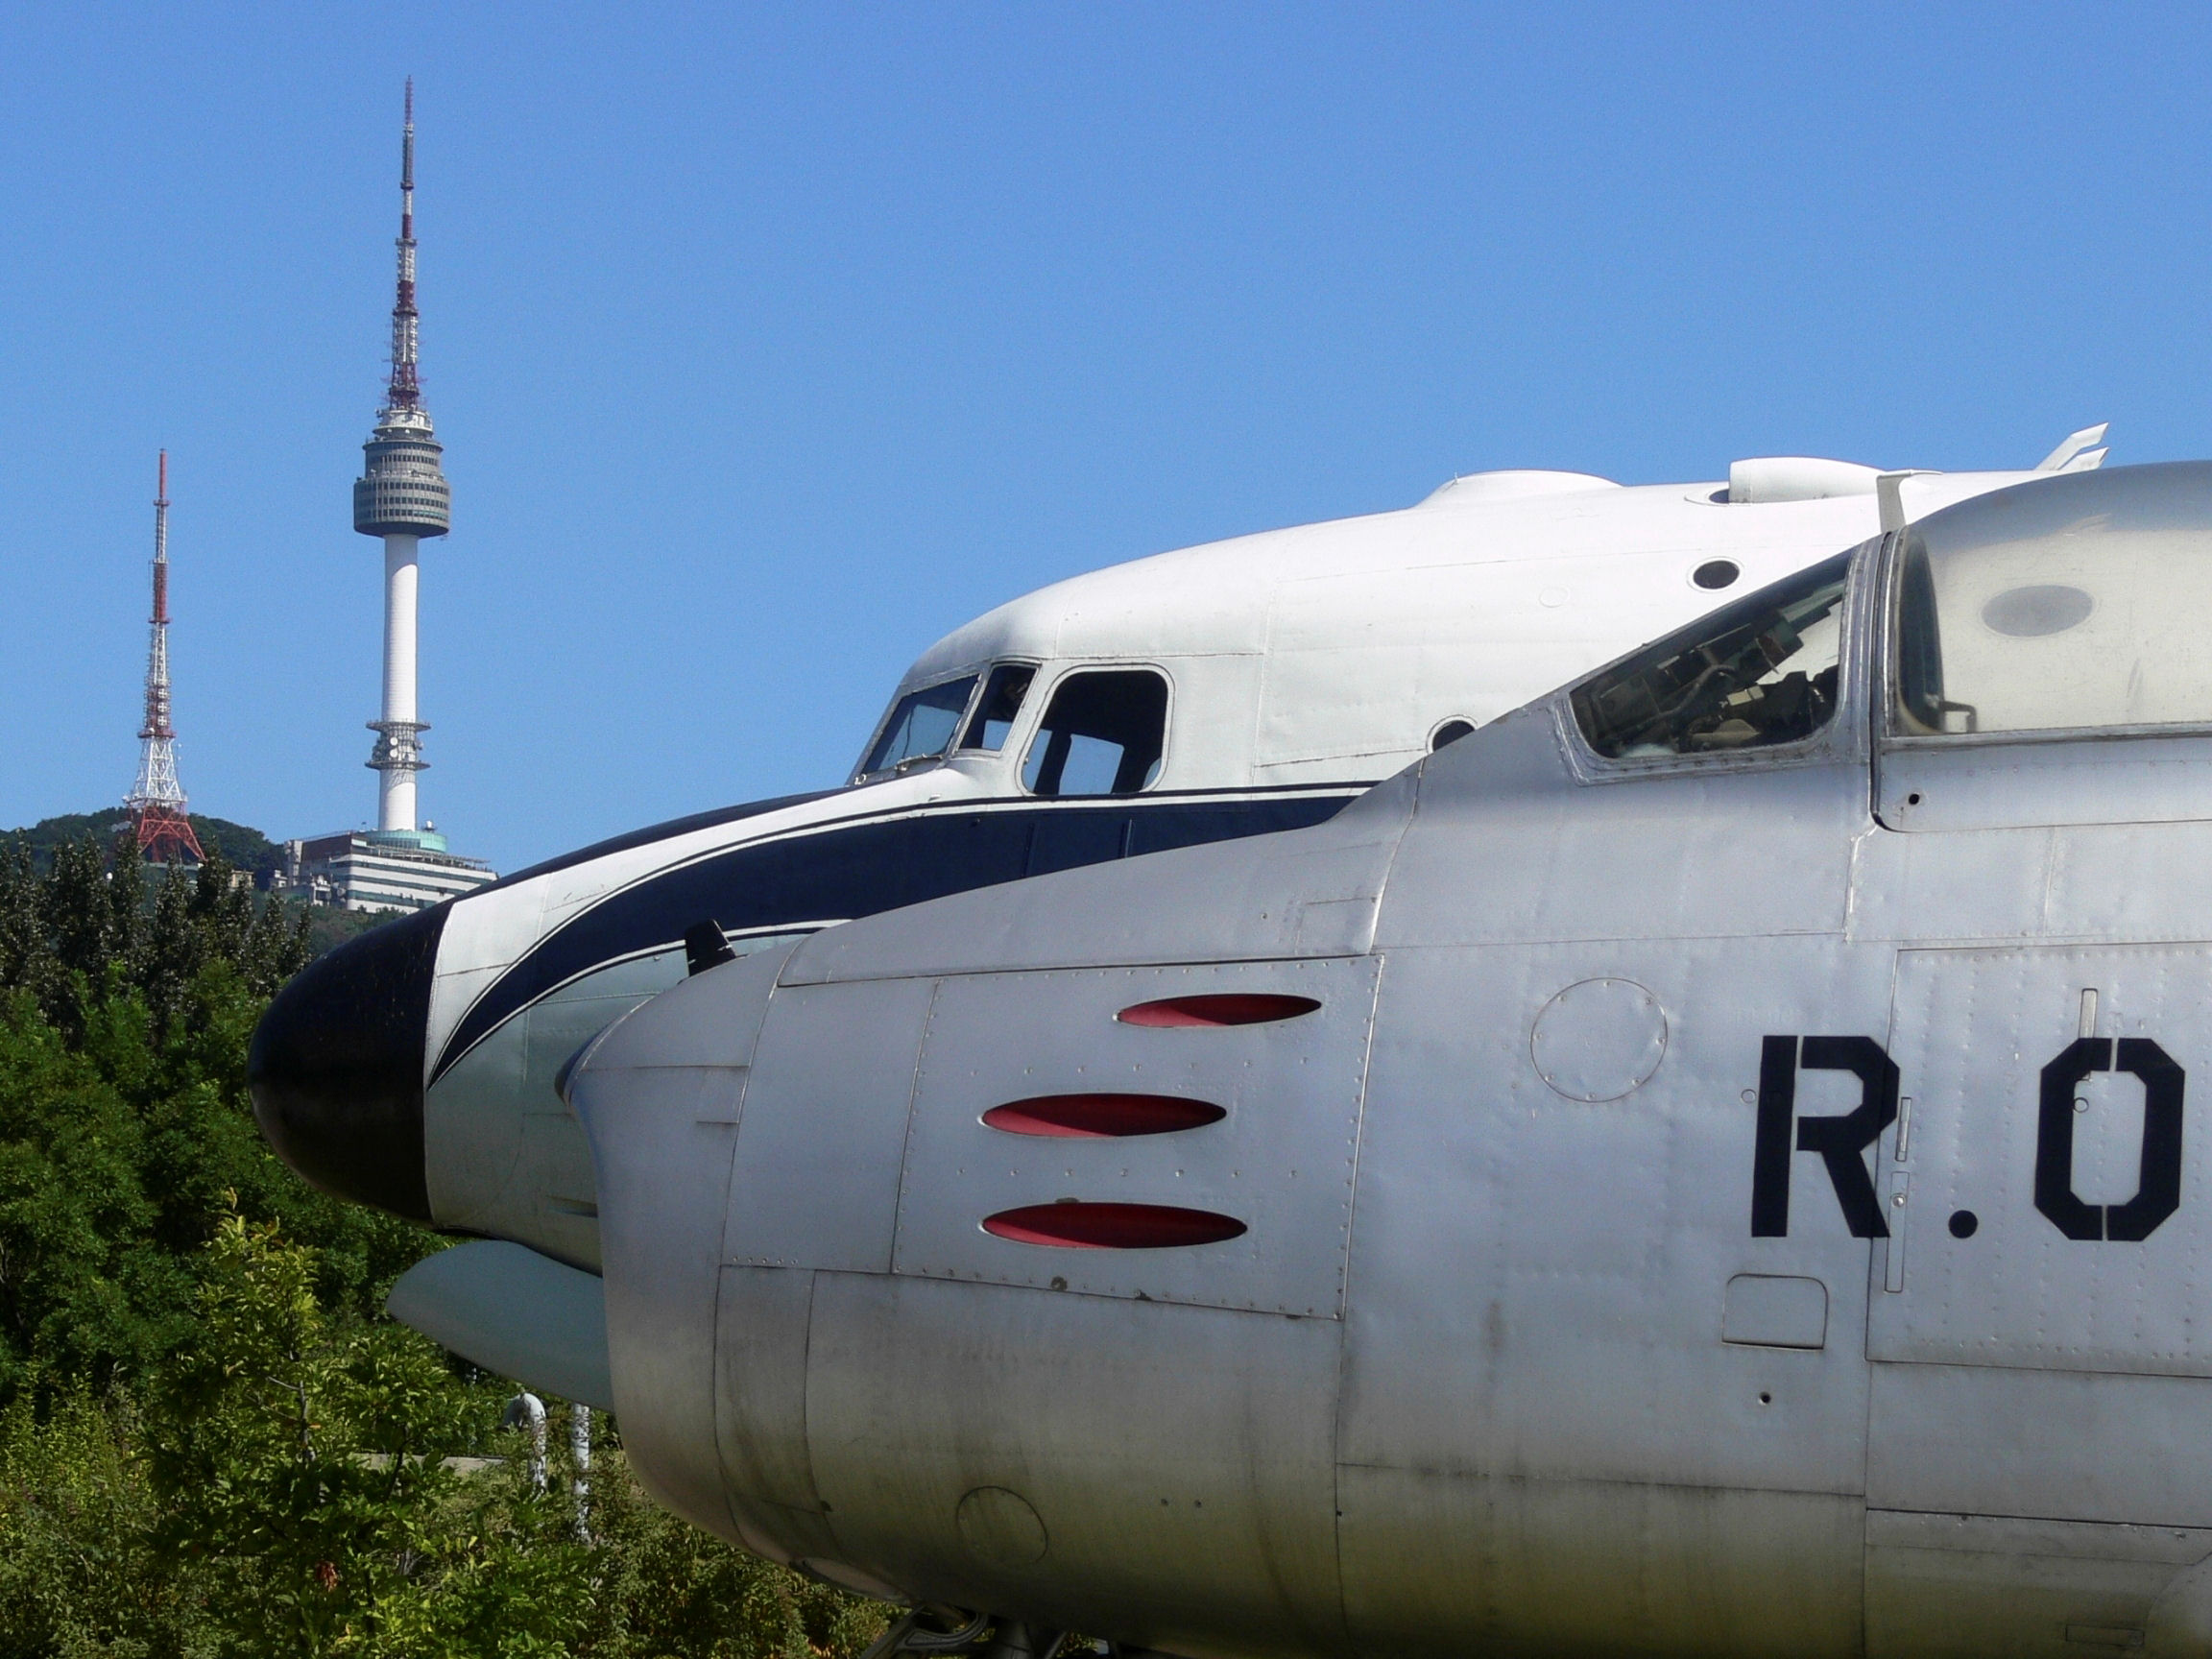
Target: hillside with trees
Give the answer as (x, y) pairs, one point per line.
(239, 844)
(211, 1441)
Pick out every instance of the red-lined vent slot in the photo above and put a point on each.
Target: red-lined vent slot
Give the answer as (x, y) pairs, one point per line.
(1101, 1117)
(1219, 1008)
(1112, 1226)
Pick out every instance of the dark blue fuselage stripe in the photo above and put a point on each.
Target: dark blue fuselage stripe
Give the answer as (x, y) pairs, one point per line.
(852, 870)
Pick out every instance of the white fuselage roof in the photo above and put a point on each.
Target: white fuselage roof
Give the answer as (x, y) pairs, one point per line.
(1333, 652)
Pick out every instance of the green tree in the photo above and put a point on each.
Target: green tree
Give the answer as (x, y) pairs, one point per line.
(211, 1442)
(299, 1465)
(78, 1574)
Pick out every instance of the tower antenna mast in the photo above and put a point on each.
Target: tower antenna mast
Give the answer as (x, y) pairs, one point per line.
(156, 802)
(405, 391)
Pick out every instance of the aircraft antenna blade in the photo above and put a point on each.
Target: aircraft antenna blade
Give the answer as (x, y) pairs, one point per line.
(2075, 442)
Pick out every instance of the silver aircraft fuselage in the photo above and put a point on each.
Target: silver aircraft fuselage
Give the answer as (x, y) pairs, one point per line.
(1705, 1166)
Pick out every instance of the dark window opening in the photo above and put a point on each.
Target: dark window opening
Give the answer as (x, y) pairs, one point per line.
(1755, 673)
(1103, 734)
(1451, 732)
(1001, 701)
(1716, 573)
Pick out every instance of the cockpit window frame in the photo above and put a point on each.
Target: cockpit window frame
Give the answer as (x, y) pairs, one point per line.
(1841, 741)
(1889, 714)
(1025, 716)
(2027, 777)
(980, 673)
(1038, 703)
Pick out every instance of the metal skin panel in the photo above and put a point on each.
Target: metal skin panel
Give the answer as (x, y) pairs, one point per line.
(1176, 1460)
(1535, 1368)
(1512, 848)
(1511, 1246)
(1974, 1030)
(516, 1314)
(761, 1316)
(1918, 889)
(1938, 786)
(668, 1179)
(2131, 882)
(1299, 897)
(506, 1158)
(1281, 1162)
(2121, 882)
(1530, 1568)
(818, 1156)
(2067, 1445)
(658, 1095)
(1941, 1586)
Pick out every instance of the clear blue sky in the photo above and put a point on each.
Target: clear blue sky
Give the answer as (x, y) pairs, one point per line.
(767, 343)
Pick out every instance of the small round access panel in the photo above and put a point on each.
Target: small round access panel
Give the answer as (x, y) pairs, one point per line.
(1000, 1527)
(1599, 1040)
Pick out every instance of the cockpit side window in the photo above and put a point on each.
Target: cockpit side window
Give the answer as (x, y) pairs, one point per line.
(1103, 733)
(996, 707)
(1760, 672)
(920, 726)
(2069, 608)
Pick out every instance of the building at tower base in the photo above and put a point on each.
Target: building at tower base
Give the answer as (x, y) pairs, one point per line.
(380, 869)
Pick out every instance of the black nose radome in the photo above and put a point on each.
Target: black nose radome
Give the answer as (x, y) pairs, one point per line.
(336, 1066)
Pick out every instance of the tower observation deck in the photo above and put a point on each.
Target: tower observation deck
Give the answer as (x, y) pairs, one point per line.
(401, 496)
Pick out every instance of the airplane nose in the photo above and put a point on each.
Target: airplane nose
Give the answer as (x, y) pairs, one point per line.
(336, 1066)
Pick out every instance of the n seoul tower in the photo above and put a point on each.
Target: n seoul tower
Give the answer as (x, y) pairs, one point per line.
(402, 496)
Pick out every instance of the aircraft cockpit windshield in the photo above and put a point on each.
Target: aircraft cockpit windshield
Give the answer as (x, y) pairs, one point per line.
(920, 728)
(2077, 605)
(923, 725)
(1753, 674)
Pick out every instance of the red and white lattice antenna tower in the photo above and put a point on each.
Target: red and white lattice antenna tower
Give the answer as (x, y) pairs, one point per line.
(156, 800)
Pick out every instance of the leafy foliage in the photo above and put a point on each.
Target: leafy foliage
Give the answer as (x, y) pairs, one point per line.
(300, 1484)
(211, 1443)
(124, 1020)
